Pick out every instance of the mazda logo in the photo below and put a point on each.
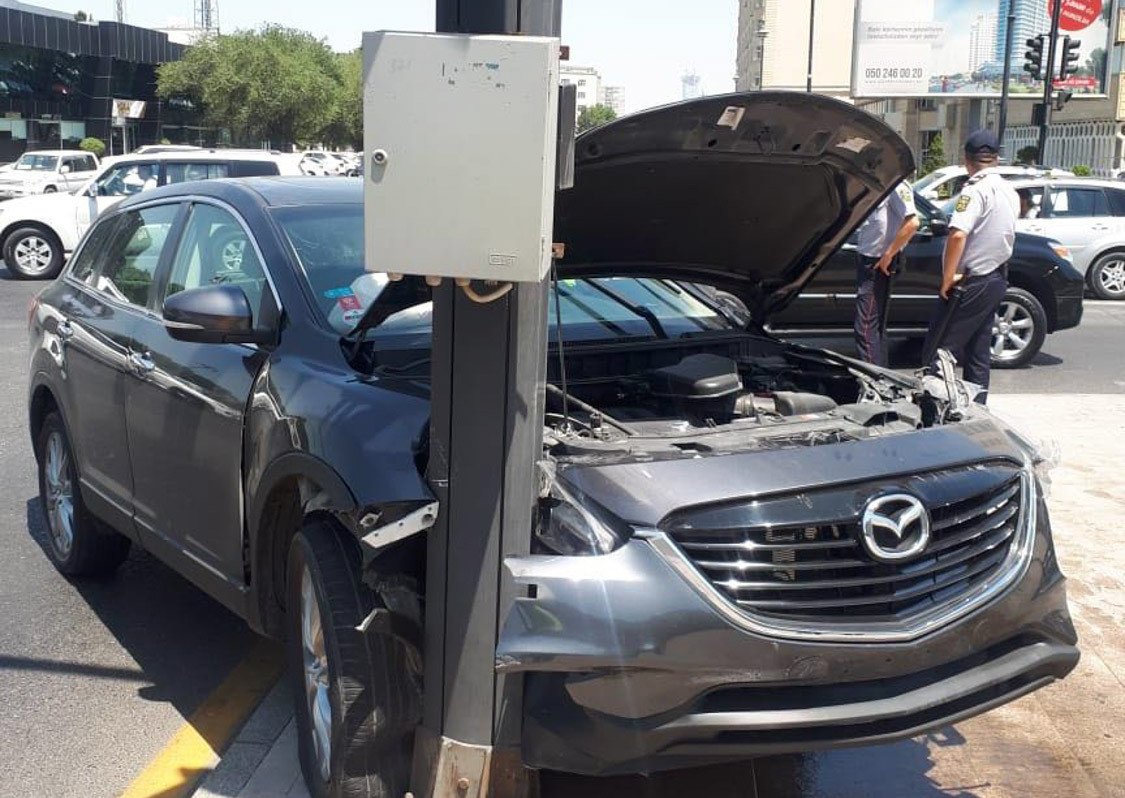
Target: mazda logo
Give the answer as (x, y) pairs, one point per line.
(896, 527)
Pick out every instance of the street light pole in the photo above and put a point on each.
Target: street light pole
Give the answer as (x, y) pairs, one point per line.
(762, 34)
(1008, 39)
(812, 30)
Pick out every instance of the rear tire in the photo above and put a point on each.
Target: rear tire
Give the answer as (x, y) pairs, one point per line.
(1019, 331)
(357, 695)
(33, 253)
(77, 543)
(1107, 276)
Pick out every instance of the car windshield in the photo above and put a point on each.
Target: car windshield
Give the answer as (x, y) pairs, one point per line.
(328, 243)
(924, 182)
(37, 163)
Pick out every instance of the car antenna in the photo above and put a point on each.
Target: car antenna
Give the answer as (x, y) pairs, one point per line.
(559, 333)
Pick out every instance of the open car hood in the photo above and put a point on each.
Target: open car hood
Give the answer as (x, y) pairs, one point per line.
(748, 192)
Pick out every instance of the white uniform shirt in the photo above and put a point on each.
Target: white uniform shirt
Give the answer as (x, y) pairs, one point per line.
(878, 230)
(986, 211)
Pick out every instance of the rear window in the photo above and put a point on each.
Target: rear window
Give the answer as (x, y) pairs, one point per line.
(253, 168)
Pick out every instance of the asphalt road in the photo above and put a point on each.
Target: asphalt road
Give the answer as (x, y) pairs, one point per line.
(98, 675)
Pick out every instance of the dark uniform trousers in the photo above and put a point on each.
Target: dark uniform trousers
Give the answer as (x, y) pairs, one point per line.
(871, 287)
(968, 336)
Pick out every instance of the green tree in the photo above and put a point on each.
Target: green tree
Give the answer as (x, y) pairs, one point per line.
(934, 157)
(274, 84)
(91, 144)
(1028, 155)
(594, 116)
(1082, 170)
(346, 126)
(1095, 64)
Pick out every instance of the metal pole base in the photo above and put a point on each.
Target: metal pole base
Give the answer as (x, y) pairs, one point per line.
(447, 768)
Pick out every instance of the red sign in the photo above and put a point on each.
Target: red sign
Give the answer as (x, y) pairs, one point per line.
(1076, 14)
(1086, 82)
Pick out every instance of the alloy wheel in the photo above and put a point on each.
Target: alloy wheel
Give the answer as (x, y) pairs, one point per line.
(315, 659)
(33, 254)
(1012, 331)
(1111, 277)
(59, 497)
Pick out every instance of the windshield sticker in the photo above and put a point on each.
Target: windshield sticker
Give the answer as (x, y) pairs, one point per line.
(349, 302)
(731, 116)
(352, 317)
(337, 293)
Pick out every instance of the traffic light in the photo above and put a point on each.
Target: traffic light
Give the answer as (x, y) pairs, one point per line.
(1069, 57)
(1033, 63)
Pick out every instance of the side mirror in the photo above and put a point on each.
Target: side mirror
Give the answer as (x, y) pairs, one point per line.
(939, 226)
(64, 169)
(213, 314)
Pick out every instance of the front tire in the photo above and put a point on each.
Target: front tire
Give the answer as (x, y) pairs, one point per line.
(78, 544)
(1107, 276)
(1019, 330)
(33, 253)
(357, 695)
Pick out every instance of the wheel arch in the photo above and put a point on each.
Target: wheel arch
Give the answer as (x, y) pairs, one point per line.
(1039, 288)
(293, 487)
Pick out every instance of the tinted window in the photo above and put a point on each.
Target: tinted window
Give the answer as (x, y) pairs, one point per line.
(81, 163)
(127, 271)
(328, 242)
(1072, 202)
(126, 179)
(215, 250)
(93, 250)
(1116, 201)
(1031, 202)
(184, 172)
(254, 168)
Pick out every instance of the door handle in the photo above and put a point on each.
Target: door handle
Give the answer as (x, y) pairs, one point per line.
(64, 331)
(141, 362)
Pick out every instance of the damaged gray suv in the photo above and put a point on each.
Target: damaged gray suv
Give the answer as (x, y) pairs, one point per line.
(743, 547)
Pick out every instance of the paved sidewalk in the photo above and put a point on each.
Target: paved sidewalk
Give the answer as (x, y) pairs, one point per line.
(1065, 740)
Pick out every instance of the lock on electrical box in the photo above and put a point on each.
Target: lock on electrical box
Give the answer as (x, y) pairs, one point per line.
(460, 136)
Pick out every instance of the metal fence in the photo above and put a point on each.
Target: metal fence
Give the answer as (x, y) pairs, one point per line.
(1094, 144)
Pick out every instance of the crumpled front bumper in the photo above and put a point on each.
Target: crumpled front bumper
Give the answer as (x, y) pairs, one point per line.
(630, 669)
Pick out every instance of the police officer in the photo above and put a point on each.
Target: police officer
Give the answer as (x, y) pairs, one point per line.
(982, 231)
(880, 238)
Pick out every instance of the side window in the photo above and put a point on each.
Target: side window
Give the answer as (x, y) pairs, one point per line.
(215, 249)
(127, 272)
(1116, 201)
(183, 172)
(127, 179)
(1031, 202)
(92, 252)
(1078, 202)
(254, 168)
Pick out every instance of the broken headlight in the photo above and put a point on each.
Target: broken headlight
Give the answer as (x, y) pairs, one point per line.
(567, 526)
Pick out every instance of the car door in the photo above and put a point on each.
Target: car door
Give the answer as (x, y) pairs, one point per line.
(185, 416)
(914, 290)
(828, 301)
(104, 300)
(1072, 215)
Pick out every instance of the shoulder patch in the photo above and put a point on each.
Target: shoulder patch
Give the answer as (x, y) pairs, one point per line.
(963, 203)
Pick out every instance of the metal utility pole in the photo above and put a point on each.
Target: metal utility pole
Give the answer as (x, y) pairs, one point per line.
(1049, 81)
(487, 376)
(119, 10)
(1008, 40)
(812, 29)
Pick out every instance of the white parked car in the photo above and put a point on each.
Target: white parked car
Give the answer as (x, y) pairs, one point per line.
(46, 172)
(941, 184)
(37, 233)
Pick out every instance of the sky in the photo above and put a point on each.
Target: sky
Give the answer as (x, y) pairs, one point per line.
(642, 45)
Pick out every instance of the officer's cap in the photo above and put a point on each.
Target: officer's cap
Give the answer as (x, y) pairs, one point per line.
(982, 143)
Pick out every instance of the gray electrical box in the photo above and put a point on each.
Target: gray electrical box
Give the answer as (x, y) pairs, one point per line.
(460, 137)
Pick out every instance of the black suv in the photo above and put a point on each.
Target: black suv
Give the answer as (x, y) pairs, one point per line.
(743, 546)
(1044, 292)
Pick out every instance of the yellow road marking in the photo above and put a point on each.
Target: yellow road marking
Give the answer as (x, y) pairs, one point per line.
(191, 753)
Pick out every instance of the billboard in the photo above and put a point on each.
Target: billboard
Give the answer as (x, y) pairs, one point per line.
(927, 48)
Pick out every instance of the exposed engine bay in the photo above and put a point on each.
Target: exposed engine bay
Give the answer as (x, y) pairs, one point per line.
(741, 392)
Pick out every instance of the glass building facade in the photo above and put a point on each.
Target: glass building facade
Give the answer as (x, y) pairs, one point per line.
(58, 77)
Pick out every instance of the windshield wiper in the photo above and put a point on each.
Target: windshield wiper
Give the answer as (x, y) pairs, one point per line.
(640, 310)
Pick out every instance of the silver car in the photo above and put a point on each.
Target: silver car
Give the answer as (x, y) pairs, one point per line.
(1085, 215)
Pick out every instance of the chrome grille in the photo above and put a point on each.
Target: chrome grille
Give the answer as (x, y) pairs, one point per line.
(804, 567)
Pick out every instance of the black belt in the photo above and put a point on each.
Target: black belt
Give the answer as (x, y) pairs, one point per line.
(1001, 271)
